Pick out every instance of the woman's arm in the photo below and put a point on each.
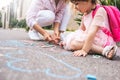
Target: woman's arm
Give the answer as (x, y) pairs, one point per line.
(45, 34)
(59, 14)
(56, 28)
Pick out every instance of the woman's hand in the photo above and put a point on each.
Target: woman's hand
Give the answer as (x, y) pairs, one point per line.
(55, 38)
(47, 37)
(80, 53)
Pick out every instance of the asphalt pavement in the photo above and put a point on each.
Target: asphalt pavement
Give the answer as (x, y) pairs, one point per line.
(24, 59)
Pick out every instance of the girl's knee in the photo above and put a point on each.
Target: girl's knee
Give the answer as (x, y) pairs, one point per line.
(75, 45)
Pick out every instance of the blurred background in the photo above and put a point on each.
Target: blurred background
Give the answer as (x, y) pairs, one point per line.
(12, 14)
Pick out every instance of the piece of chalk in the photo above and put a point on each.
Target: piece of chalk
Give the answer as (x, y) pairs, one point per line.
(47, 45)
(91, 77)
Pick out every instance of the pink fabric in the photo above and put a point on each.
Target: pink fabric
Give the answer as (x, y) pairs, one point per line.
(114, 20)
(100, 20)
(38, 5)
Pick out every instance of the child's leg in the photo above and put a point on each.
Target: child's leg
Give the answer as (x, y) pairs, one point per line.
(67, 41)
(108, 51)
(77, 45)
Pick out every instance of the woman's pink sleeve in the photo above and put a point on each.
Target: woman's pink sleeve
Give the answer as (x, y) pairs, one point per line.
(60, 13)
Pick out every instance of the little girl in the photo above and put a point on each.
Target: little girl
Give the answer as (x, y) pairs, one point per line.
(90, 36)
(43, 13)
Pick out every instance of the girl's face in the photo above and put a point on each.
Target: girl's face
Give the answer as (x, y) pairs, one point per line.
(83, 6)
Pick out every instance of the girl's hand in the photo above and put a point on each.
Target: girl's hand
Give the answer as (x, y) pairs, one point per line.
(62, 44)
(79, 53)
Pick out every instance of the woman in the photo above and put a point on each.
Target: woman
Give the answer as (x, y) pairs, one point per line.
(44, 13)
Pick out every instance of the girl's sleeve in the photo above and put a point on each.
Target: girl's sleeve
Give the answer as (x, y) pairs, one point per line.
(100, 18)
(60, 13)
(32, 12)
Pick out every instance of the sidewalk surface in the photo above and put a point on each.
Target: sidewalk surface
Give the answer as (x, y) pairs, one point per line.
(23, 59)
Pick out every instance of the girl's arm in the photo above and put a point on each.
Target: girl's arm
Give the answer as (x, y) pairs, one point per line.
(87, 43)
(97, 22)
(89, 39)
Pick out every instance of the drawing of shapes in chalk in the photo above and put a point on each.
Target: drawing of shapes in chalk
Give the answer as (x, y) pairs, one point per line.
(8, 48)
(47, 46)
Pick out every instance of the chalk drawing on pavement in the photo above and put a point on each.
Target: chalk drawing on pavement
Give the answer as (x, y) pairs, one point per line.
(48, 70)
(7, 48)
(13, 60)
(16, 43)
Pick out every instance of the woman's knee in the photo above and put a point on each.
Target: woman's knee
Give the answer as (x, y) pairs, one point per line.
(46, 17)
